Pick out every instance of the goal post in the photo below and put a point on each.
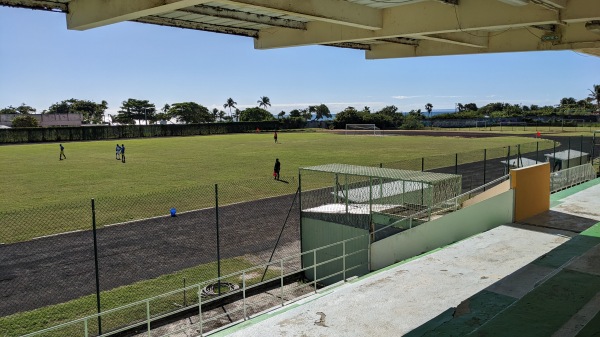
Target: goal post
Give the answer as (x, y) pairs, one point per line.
(511, 125)
(363, 129)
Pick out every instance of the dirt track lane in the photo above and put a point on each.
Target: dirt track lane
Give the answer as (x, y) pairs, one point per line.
(56, 269)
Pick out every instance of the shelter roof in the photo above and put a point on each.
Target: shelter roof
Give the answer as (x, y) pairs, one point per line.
(377, 172)
(381, 28)
(567, 154)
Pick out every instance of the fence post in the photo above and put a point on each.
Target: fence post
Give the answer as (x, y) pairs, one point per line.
(281, 268)
(422, 164)
(507, 161)
(96, 266)
(554, 156)
(581, 150)
(244, 292)
(456, 164)
(569, 153)
(218, 241)
(200, 308)
(315, 270)
(148, 317)
(484, 163)
(537, 151)
(344, 259)
(184, 294)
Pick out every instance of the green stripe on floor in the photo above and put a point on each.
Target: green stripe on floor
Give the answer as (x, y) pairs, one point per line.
(572, 190)
(432, 324)
(470, 315)
(593, 231)
(558, 256)
(592, 329)
(546, 308)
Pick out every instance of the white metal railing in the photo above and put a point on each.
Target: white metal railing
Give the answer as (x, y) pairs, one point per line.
(572, 176)
(86, 322)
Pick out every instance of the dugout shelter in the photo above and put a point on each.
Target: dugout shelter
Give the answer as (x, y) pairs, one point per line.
(567, 159)
(348, 203)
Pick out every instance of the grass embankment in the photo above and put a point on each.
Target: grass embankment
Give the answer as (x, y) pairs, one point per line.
(48, 196)
(35, 320)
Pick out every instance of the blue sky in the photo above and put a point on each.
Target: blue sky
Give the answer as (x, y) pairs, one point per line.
(41, 63)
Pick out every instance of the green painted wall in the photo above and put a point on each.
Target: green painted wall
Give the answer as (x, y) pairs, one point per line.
(319, 233)
(450, 228)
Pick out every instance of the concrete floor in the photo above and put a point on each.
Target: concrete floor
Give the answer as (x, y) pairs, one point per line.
(412, 295)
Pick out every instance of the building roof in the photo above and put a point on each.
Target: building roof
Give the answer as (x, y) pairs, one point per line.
(382, 29)
(376, 172)
(566, 154)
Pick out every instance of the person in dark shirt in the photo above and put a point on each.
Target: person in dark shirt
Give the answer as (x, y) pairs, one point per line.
(275, 136)
(122, 153)
(276, 169)
(118, 152)
(62, 152)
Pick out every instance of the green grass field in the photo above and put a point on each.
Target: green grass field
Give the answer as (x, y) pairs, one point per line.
(36, 178)
(48, 196)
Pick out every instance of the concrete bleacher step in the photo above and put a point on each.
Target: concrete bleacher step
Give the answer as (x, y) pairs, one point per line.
(558, 294)
(543, 311)
(465, 318)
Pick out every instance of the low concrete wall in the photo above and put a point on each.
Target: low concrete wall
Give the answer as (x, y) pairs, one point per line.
(478, 218)
(318, 233)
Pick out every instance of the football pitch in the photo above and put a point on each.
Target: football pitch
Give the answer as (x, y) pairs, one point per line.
(36, 177)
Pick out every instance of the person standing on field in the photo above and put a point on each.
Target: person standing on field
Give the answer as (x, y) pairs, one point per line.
(276, 169)
(118, 154)
(62, 152)
(275, 137)
(122, 153)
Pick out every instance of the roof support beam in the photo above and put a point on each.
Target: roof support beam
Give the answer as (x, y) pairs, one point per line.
(554, 3)
(338, 12)
(407, 21)
(39, 4)
(86, 14)
(518, 40)
(461, 39)
(244, 16)
(155, 20)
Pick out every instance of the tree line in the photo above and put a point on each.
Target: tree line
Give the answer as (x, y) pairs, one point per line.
(139, 111)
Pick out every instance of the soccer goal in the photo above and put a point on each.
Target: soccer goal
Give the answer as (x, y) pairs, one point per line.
(363, 129)
(512, 125)
(481, 125)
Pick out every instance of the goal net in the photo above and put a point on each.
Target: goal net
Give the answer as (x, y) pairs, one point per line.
(363, 129)
(513, 126)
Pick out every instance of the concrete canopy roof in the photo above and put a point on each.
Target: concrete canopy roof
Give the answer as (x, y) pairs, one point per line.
(382, 28)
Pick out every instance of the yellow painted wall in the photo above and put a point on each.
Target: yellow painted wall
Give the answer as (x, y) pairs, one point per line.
(532, 190)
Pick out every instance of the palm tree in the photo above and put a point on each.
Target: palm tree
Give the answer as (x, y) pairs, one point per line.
(264, 102)
(595, 95)
(429, 107)
(221, 115)
(215, 114)
(281, 114)
(230, 104)
(238, 112)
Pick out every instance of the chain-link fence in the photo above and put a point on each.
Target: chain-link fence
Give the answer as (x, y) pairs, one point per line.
(53, 265)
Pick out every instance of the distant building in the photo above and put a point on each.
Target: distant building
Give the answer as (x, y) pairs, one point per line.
(46, 120)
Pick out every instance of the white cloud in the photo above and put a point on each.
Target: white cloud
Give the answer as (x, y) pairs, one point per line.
(406, 97)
